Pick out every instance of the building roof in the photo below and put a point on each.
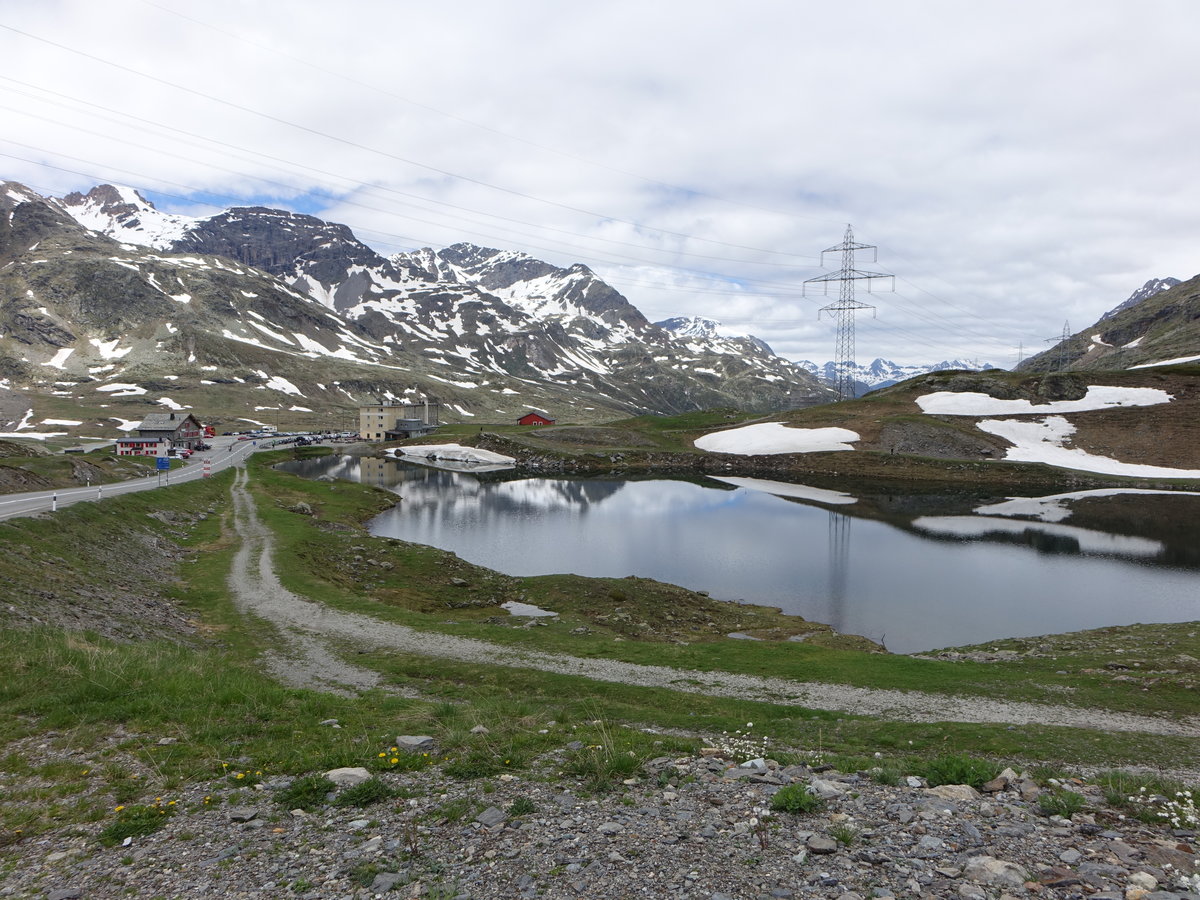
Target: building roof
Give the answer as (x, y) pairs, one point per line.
(165, 421)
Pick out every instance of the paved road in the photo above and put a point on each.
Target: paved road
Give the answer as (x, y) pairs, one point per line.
(225, 453)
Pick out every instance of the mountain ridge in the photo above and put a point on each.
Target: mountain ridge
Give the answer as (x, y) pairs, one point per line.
(252, 298)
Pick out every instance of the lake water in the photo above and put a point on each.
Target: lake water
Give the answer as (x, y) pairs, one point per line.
(913, 572)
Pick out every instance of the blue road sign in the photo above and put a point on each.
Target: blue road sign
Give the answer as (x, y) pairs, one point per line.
(162, 462)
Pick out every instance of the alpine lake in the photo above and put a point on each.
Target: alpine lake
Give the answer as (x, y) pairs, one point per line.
(912, 571)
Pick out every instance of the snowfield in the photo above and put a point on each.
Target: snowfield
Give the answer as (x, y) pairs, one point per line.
(1042, 442)
(455, 453)
(1166, 362)
(774, 437)
(970, 403)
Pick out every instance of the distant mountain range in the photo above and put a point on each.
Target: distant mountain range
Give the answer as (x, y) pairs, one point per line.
(257, 313)
(880, 373)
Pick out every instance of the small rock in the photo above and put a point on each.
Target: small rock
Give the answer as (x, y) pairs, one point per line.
(385, 881)
(954, 792)
(415, 743)
(989, 870)
(1143, 880)
(821, 845)
(65, 894)
(491, 817)
(242, 813)
(481, 729)
(826, 790)
(611, 828)
(349, 776)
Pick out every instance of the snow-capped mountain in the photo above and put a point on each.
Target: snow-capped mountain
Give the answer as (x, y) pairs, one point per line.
(1145, 292)
(688, 327)
(880, 373)
(100, 291)
(126, 216)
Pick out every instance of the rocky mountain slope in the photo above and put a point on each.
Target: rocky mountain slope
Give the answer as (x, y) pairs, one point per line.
(265, 315)
(1158, 324)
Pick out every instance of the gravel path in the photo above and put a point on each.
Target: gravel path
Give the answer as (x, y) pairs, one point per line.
(308, 627)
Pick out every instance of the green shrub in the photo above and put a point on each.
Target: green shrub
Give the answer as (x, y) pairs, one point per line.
(957, 769)
(844, 833)
(373, 790)
(1061, 802)
(522, 806)
(602, 766)
(306, 793)
(796, 798)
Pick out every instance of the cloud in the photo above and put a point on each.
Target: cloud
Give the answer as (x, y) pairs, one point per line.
(1017, 163)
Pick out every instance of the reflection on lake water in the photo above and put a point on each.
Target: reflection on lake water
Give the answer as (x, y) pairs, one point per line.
(915, 573)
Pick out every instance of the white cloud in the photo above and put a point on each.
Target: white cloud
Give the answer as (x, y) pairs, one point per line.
(1018, 163)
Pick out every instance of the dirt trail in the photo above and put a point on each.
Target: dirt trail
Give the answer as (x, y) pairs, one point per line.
(310, 628)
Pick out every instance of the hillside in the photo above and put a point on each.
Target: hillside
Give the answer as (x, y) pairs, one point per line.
(1158, 325)
(1071, 430)
(258, 315)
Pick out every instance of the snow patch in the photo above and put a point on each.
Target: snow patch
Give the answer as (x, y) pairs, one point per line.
(278, 383)
(1166, 362)
(122, 390)
(454, 453)
(971, 403)
(1042, 442)
(775, 437)
(108, 349)
(60, 358)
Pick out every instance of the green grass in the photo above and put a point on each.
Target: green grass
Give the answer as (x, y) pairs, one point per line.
(306, 793)
(796, 799)
(111, 700)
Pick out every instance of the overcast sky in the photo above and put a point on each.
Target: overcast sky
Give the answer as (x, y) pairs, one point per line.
(1019, 164)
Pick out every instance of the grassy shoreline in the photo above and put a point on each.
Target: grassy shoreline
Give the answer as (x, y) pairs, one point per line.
(188, 701)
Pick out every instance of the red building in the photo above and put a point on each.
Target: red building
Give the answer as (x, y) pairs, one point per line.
(535, 417)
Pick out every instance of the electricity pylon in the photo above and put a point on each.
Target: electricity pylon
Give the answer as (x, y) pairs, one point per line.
(1062, 346)
(846, 306)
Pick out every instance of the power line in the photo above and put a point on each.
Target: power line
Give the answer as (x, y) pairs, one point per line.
(471, 122)
(316, 132)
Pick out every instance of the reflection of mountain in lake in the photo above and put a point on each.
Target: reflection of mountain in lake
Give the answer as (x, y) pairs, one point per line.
(916, 572)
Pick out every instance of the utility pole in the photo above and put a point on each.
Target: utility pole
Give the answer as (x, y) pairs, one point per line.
(846, 306)
(1062, 346)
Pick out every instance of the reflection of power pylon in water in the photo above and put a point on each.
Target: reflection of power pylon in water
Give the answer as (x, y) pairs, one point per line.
(839, 568)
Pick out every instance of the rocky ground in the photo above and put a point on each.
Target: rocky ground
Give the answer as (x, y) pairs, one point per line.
(679, 827)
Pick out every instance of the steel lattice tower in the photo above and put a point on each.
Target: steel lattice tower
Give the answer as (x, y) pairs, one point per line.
(1062, 340)
(846, 306)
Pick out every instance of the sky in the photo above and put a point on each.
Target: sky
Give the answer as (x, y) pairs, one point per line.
(1019, 165)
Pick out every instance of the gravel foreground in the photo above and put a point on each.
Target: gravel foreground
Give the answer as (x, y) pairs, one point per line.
(682, 827)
